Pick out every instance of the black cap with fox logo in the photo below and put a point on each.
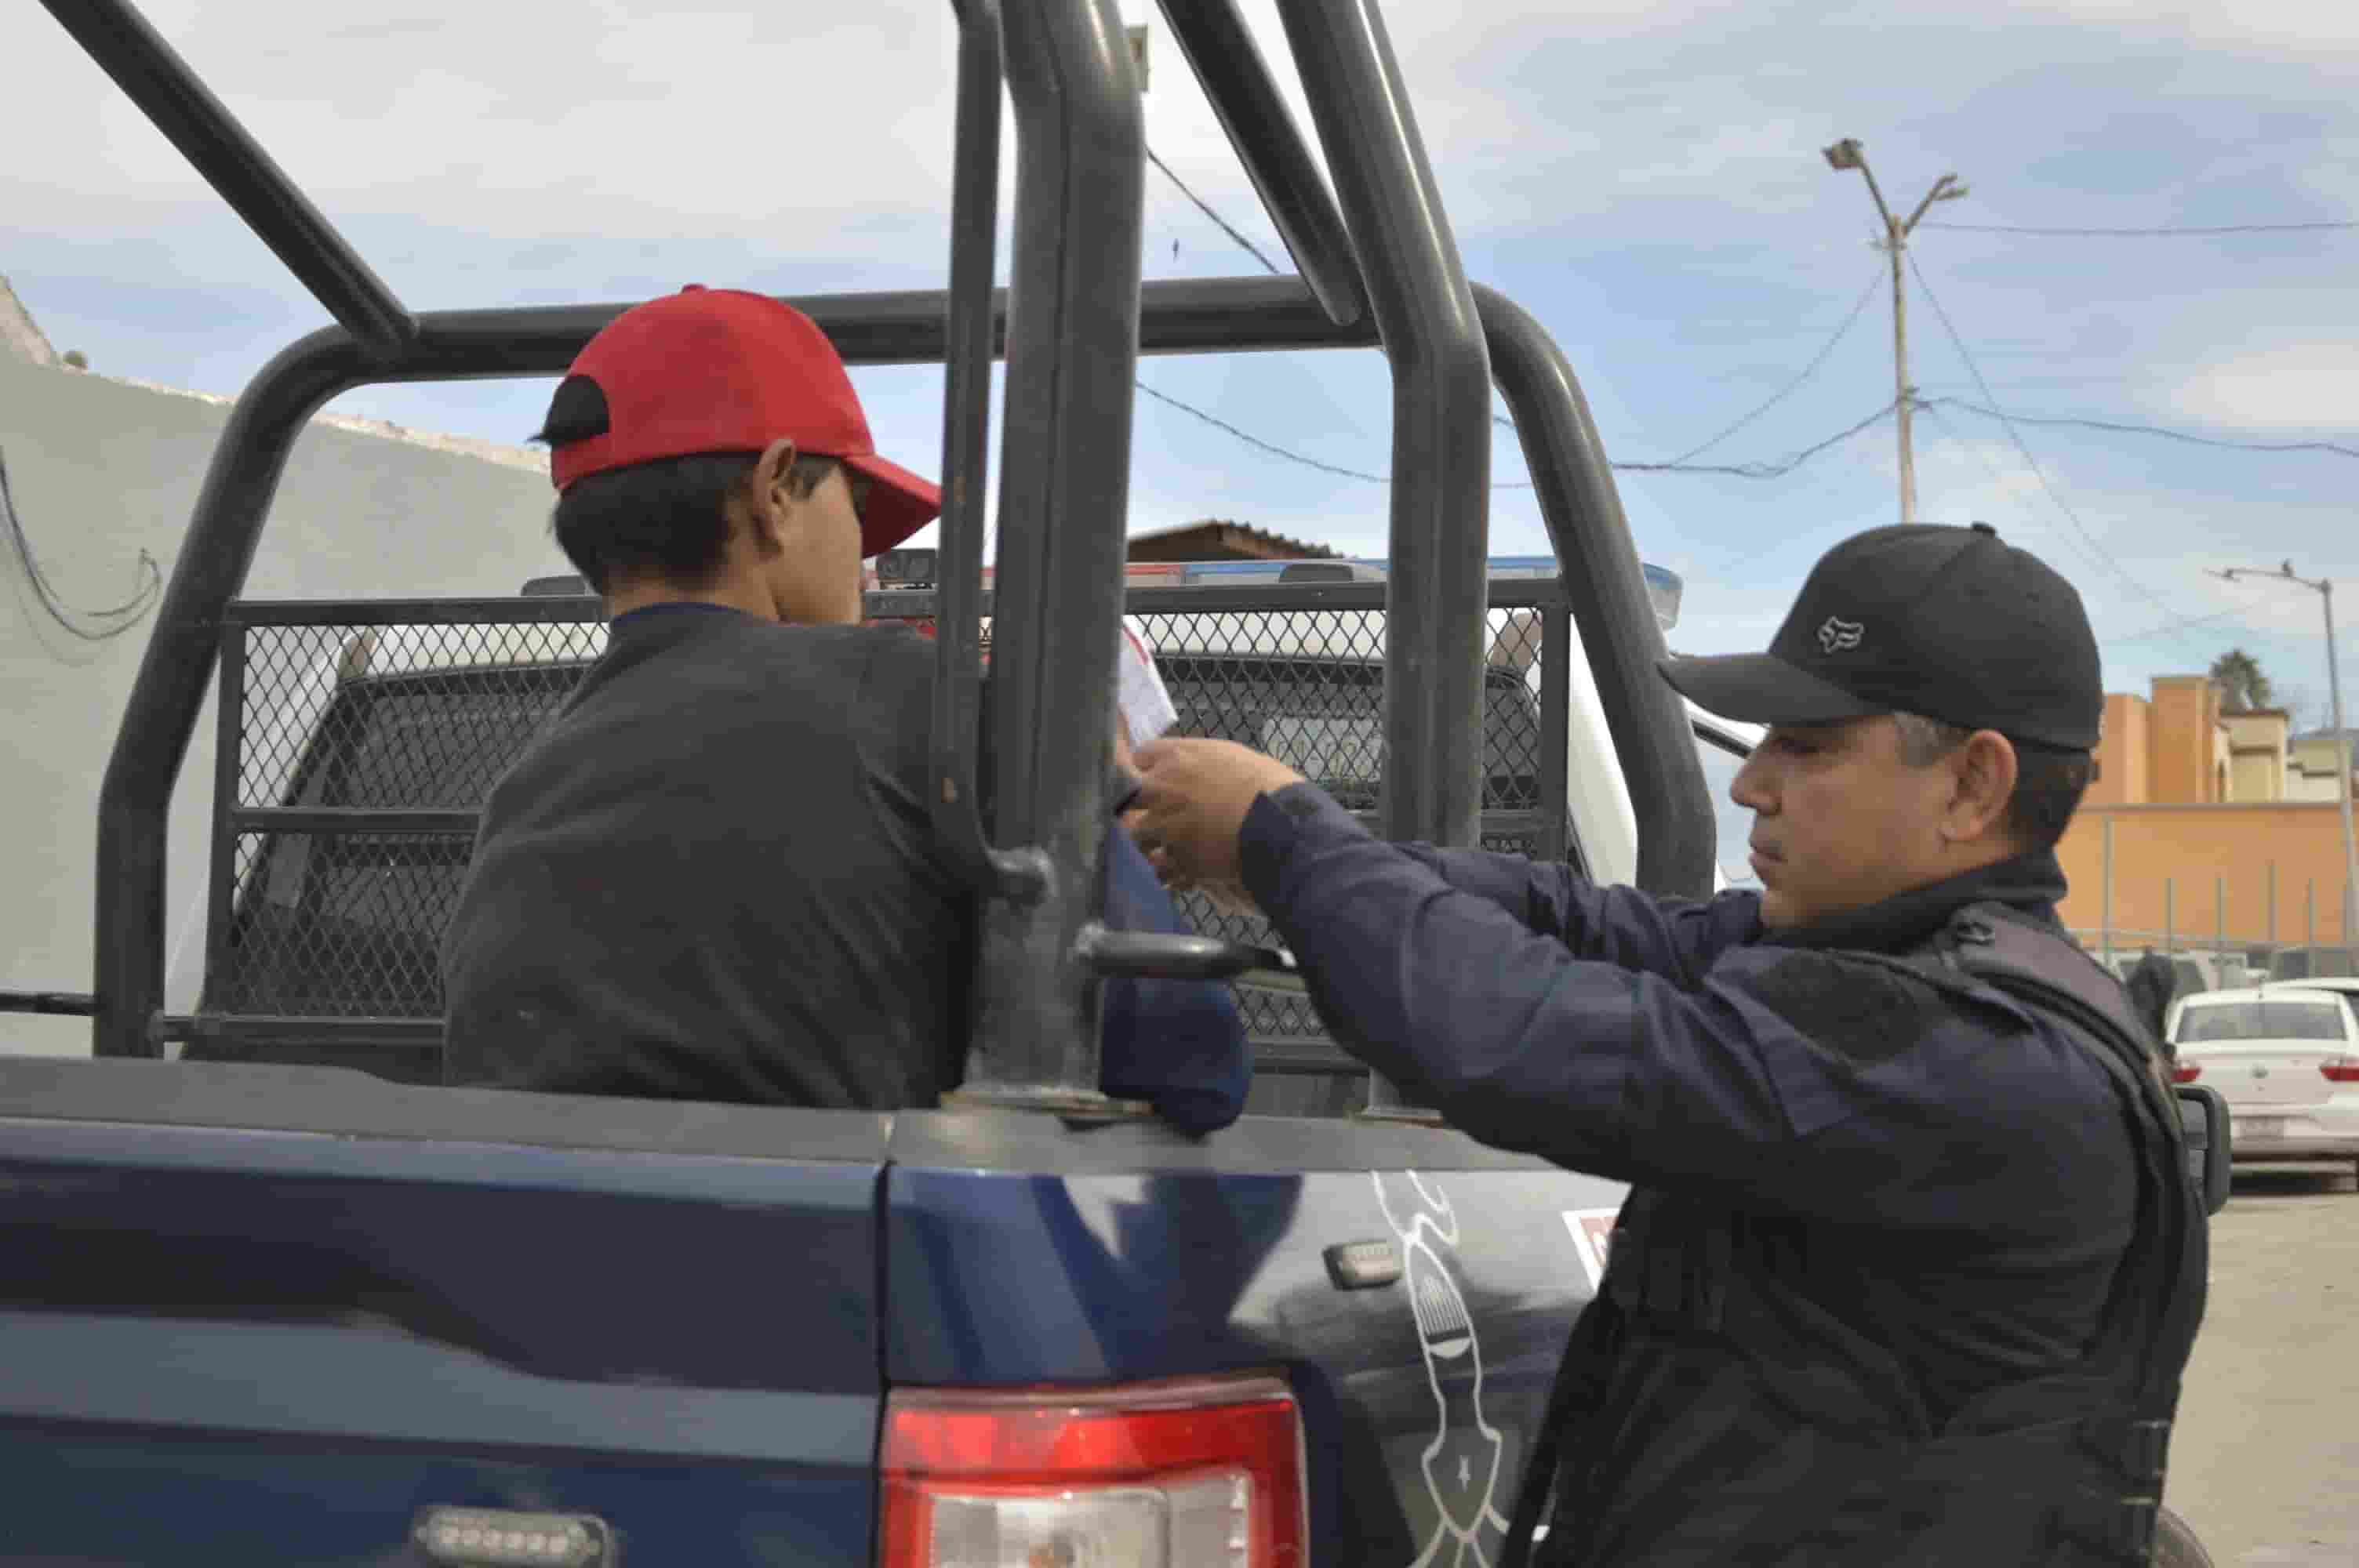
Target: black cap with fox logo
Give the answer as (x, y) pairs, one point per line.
(1917, 618)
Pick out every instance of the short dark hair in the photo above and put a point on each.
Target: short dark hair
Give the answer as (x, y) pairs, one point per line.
(2049, 781)
(667, 519)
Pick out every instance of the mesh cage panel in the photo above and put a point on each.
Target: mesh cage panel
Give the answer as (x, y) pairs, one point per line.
(340, 925)
(393, 718)
(397, 717)
(428, 717)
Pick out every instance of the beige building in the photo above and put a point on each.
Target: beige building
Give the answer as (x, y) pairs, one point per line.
(2205, 822)
(2311, 761)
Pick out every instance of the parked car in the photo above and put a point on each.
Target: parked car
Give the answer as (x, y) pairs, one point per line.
(2190, 972)
(2314, 963)
(2286, 1059)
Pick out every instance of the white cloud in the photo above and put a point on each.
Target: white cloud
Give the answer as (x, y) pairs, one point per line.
(2300, 386)
(2303, 29)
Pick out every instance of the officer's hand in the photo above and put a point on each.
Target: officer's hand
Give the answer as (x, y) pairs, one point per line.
(1194, 800)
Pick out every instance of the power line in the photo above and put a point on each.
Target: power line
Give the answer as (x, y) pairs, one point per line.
(1767, 470)
(2336, 448)
(1874, 280)
(2170, 626)
(1677, 465)
(1249, 439)
(2147, 233)
(2033, 463)
(1206, 209)
(1736, 470)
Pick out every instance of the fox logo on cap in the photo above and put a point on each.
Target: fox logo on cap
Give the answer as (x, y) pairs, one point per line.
(1838, 634)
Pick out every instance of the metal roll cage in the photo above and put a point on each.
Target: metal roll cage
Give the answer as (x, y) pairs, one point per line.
(1380, 269)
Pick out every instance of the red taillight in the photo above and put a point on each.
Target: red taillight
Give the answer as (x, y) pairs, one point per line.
(2186, 1073)
(2341, 1069)
(1202, 1473)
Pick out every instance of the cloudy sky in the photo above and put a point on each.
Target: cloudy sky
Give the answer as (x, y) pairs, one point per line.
(1644, 177)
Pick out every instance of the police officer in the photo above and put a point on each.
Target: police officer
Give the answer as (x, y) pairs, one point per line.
(1912, 1264)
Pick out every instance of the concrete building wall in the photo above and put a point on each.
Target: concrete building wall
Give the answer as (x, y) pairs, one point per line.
(2311, 767)
(2166, 857)
(2180, 740)
(2124, 755)
(2256, 750)
(2255, 777)
(102, 469)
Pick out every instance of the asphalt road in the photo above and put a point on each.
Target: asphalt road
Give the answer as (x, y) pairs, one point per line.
(2265, 1459)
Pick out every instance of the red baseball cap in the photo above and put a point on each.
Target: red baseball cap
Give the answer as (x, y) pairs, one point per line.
(721, 370)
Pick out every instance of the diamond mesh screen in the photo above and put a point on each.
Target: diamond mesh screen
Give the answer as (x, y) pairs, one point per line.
(428, 716)
(424, 717)
(339, 925)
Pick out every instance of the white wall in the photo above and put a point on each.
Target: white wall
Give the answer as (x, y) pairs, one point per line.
(102, 469)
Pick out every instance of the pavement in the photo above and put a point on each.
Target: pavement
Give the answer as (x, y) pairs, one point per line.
(2264, 1457)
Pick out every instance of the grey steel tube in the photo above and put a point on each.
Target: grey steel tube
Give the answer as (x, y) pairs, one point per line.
(128, 49)
(1238, 85)
(1608, 594)
(1064, 490)
(1441, 418)
(968, 326)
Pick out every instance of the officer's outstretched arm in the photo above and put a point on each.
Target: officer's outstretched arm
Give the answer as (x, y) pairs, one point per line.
(1675, 937)
(1785, 1080)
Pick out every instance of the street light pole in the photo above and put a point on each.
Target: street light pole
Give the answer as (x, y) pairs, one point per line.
(2324, 588)
(1849, 153)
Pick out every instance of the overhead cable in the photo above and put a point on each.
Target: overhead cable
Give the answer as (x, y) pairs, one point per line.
(1874, 282)
(1736, 470)
(1206, 209)
(2095, 549)
(2335, 448)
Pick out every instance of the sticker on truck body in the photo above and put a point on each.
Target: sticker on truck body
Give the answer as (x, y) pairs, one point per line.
(1462, 1464)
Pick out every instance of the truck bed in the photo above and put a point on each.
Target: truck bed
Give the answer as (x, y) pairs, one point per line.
(267, 1313)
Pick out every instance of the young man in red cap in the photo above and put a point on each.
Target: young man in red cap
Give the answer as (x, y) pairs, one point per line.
(714, 876)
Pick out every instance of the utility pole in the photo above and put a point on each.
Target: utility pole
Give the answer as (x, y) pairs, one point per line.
(2324, 588)
(1849, 154)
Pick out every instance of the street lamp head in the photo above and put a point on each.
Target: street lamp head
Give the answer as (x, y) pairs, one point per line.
(1843, 155)
(1951, 191)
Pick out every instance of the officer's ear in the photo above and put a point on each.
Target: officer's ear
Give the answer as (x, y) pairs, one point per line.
(1982, 784)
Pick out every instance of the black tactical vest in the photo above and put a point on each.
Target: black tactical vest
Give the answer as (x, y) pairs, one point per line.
(1707, 1351)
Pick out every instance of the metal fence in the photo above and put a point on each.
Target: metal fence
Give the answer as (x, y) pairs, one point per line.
(359, 741)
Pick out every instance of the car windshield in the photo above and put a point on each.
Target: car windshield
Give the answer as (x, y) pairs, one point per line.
(2275, 1019)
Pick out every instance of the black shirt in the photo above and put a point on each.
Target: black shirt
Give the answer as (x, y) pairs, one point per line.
(712, 877)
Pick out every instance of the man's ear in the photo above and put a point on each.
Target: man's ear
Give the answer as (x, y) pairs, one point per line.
(1983, 772)
(768, 491)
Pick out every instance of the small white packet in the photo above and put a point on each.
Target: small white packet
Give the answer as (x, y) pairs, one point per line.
(1139, 692)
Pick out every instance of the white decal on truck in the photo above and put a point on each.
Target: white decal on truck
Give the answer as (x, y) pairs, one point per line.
(1461, 1464)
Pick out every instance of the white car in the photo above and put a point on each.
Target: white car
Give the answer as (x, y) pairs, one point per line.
(2286, 1058)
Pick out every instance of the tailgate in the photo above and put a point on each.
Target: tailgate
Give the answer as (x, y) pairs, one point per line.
(266, 1346)
(2285, 1076)
(1128, 1253)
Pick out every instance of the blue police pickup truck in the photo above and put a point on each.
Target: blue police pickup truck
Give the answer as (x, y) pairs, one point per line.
(283, 1298)
(269, 1293)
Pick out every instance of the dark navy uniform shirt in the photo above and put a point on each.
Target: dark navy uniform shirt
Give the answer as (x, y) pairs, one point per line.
(1975, 1161)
